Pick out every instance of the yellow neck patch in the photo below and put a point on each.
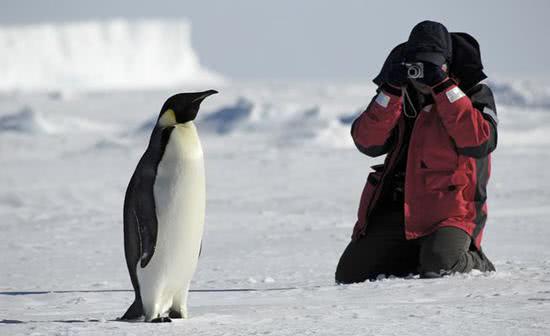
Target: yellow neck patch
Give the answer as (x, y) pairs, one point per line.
(168, 118)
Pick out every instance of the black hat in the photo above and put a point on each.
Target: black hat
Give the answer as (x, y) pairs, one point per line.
(429, 41)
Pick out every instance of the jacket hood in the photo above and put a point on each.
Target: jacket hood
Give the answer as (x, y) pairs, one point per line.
(465, 63)
(429, 41)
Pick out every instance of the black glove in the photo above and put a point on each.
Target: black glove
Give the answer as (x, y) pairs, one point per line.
(397, 75)
(433, 75)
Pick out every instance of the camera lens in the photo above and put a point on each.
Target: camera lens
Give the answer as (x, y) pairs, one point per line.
(413, 72)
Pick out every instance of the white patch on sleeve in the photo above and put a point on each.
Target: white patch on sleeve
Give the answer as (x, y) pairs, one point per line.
(455, 94)
(382, 99)
(491, 114)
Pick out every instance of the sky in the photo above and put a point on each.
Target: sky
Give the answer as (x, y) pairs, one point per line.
(321, 40)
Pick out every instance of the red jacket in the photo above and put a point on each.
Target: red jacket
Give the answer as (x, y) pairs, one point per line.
(448, 160)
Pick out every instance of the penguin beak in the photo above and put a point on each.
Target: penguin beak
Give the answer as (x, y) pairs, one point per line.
(201, 95)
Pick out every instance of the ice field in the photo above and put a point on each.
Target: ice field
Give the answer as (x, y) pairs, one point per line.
(283, 186)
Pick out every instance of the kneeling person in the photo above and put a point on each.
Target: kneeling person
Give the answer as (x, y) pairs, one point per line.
(423, 211)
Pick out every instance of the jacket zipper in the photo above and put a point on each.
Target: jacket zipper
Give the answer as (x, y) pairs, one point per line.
(409, 162)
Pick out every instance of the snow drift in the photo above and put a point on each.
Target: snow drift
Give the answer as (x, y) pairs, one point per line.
(521, 93)
(300, 113)
(116, 54)
(227, 118)
(308, 114)
(26, 120)
(30, 122)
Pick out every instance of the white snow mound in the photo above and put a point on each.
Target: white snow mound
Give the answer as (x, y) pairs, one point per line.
(227, 118)
(26, 120)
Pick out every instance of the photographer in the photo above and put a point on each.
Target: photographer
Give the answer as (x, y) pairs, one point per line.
(423, 211)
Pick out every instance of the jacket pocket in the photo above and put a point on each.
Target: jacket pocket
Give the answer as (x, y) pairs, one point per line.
(443, 195)
(444, 180)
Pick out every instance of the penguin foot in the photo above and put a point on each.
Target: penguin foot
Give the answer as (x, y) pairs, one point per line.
(176, 314)
(161, 320)
(134, 312)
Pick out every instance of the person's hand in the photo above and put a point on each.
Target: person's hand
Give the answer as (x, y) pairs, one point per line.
(433, 74)
(397, 75)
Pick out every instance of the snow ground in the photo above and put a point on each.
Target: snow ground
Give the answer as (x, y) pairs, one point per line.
(283, 185)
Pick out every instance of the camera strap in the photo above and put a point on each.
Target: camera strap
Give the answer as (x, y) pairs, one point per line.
(406, 97)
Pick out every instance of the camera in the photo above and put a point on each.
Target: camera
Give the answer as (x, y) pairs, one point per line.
(415, 70)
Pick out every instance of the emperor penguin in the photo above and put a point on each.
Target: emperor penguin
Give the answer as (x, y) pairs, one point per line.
(164, 211)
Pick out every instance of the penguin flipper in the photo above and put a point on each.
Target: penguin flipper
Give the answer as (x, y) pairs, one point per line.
(140, 221)
(147, 225)
(132, 240)
(134, 311)
(146, 217)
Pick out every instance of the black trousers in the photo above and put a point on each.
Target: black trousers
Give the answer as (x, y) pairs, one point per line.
(384, 250)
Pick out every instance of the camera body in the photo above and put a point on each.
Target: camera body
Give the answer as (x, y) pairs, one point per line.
(414, 70)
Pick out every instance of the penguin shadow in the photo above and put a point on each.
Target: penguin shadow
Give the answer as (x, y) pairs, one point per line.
(18, 293)
(6, 321)
(24, 293)
(139, 320)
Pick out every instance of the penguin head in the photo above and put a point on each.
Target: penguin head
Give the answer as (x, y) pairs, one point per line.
(182, 108)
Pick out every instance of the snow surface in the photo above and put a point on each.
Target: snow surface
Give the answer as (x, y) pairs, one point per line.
(283, 185)
(99, 55)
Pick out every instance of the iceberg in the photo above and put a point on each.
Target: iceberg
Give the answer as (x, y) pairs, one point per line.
(100, 55)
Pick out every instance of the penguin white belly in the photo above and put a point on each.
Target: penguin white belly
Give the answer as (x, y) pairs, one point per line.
(179, 192)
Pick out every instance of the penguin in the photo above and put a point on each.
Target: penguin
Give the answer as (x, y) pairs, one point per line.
(164, 210)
